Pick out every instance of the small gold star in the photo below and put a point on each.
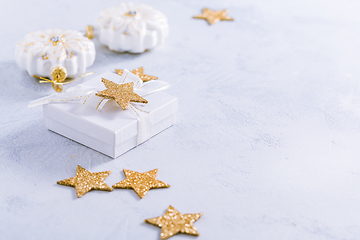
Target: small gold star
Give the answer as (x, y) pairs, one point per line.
(123, 94)
(173, 222)
(141, 182)
(138, 72)
(212, 16)
(84, 181)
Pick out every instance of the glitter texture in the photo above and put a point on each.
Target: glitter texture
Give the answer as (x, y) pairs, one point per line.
(212, 16)
(173, 222)
(138, 72)
(58, 74)
(84, 181)
(123, 94)
(141, 182)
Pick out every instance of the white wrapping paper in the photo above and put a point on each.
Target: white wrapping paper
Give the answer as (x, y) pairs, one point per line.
(108, 128)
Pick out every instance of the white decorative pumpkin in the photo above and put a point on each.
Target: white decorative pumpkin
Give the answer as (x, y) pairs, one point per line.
(131, 28)
(41, 52)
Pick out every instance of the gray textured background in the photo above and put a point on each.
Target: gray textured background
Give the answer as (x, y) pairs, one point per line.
(267, 139)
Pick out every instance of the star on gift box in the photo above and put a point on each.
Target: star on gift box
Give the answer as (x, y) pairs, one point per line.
(84, 181)
(123, 94)
(212, 16)
(138, 72)
(141, 183)
(173, 222)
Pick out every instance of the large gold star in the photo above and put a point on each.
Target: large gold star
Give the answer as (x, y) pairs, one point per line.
(138, 72)
(141, 182)
(212, 16)
(173, 222)
(123, 94)
(84, 181)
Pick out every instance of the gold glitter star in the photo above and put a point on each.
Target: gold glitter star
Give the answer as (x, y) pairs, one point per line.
(123, 94)
(212, 16)
(173, 222)
(84, 181)
(138, 72)
(141, 182)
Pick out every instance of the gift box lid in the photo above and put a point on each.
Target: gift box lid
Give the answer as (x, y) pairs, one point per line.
(111, 124)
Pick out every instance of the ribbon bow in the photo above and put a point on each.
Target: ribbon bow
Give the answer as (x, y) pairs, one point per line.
(91, 95)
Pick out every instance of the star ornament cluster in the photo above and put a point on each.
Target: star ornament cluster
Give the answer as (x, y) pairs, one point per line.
(141, 183)
(212, 16)
(123, 94)
(84, 181)
(138, 72)
(173, 222)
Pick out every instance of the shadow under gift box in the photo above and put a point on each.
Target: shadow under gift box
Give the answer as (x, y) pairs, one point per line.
(111, 130)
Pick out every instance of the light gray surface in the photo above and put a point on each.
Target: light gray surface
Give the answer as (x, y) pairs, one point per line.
(267, 139)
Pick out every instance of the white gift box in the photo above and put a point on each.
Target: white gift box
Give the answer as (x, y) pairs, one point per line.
(111, 130)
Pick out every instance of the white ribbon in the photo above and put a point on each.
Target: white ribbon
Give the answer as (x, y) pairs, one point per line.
(82, 93)
(85, 95)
